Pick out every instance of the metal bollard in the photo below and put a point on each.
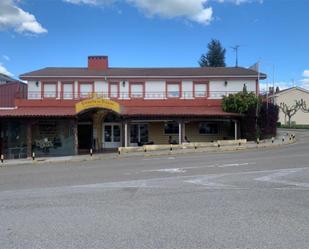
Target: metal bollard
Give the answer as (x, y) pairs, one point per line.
(33, 156)
(171, 148)
(91, 152)
(2, 158)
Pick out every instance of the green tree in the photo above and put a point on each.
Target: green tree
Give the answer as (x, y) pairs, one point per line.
(240, 102)
(248, 105)
(215, 57)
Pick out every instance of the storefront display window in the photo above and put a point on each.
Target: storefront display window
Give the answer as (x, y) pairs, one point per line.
(53, 138)
(13, 140)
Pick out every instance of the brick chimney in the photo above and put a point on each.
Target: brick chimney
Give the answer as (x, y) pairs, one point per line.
(98, 62)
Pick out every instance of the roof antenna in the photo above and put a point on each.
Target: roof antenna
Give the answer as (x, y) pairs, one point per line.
(235, 48)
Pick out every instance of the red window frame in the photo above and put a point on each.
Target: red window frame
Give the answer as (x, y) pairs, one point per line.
(110, 92)
(179, 87)
(201, 83)
(85, 83)
(136, 83)
(62, 88)
(43, 89)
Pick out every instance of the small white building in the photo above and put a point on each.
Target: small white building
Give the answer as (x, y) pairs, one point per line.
(289, 96)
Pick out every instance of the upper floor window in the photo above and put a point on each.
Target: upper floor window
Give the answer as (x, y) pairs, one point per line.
(137, 90)
(200, 90)
(49, 89)
(114, 90)
(173, 89)
(206, 128)
(67, 90)
(85, 90)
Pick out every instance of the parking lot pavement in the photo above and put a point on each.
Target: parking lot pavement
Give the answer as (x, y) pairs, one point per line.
(249, 199)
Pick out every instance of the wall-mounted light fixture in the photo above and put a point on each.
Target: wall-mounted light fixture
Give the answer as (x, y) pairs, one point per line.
(225, 83)
(123, 83)
(37, 83)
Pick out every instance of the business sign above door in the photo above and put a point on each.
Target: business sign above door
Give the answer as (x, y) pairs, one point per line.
(97, 103)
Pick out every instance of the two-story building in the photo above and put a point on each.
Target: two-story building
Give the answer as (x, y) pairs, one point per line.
(70, 110)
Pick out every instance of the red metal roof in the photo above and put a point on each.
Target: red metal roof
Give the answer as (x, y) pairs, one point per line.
(38, 112)
(127, 111)
(177, 111)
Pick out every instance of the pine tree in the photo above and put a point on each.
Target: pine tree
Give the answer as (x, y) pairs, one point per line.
(215, 57)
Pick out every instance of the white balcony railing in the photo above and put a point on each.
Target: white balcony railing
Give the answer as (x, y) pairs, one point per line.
(126, 95)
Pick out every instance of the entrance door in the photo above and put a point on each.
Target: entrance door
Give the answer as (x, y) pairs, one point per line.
(111, 135)
(84, 136)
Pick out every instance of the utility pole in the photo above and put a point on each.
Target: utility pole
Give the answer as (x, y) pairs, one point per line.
(235, 48)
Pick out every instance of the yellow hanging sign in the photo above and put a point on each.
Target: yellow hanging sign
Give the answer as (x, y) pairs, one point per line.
(97, 103)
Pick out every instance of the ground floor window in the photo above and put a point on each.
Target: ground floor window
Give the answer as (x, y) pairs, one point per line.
(171, 128)
(207, 128)
(13, 139)
(139, 134)
(53, 138)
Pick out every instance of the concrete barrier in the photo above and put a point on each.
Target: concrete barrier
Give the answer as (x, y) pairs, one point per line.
(173, 147)
(232, 142)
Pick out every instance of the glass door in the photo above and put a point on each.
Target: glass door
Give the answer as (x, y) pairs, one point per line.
(111, 135)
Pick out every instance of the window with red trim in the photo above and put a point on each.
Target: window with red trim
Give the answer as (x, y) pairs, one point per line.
(136, 90)
(114, 90)
(67, 90)
(200, 90)
(49, 90)
(173, 90)
(85, 90)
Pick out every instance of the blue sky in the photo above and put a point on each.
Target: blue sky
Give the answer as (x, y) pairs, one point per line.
(145, 33)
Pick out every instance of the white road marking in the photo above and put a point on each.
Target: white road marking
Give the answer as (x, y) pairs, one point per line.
(273, 178)
(208, 181)
(234, 165)
(184, 169)
(172, 170)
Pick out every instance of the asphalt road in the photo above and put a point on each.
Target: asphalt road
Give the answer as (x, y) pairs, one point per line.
(247, 199)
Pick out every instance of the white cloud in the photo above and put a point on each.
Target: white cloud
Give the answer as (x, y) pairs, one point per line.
(305, 83)
(193, 10)
(306, 73)
(238, 2)
(13, 17)
(3, 70)
(281, 84)
(90, 2)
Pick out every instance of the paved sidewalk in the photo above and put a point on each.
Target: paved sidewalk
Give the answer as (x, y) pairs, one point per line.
(283, 138)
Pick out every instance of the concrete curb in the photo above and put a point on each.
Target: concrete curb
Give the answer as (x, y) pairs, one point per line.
(213, 149)
(179, 150)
